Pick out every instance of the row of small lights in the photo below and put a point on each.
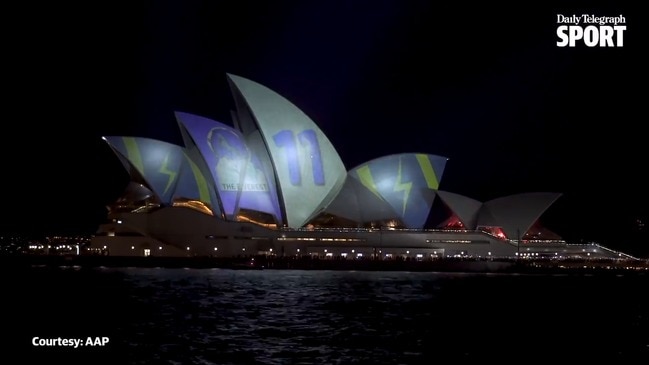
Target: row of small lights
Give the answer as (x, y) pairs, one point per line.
(298, 250)
(33, 247)
(189, 248)
(344, 254)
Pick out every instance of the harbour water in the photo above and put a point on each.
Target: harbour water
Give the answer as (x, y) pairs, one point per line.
(220, 316)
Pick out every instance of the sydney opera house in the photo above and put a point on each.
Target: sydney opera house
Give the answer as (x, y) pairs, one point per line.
(273, 184)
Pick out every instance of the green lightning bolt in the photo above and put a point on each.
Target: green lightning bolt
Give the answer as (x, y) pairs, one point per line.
(405, 187)
(165, 170)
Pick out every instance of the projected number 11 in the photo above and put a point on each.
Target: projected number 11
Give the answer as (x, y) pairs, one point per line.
(285, 139)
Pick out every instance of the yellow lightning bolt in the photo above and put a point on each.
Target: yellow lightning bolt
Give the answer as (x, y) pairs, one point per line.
(165, 170)
(405, 187)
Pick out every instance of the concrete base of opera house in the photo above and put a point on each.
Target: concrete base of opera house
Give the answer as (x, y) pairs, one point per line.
(182, 232)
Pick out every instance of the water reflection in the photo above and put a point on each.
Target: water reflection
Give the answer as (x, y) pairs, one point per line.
(304, 317)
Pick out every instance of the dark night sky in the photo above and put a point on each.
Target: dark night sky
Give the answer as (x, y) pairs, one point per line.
(485, 86)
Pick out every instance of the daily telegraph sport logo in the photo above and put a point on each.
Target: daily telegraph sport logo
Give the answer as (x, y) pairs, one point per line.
(604, 31)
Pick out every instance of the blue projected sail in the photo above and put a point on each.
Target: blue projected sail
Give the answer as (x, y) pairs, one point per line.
(236, 172)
